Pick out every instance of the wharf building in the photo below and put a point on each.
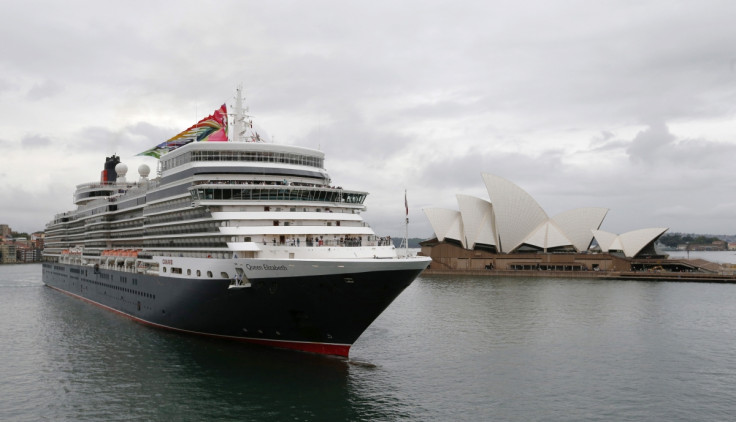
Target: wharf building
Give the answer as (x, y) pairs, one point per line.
(5, 231)
(19, 250)
(510, 231)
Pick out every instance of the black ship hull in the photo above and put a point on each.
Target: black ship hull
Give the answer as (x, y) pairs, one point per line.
(314, 313)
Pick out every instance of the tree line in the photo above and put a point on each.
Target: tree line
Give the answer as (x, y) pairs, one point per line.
(674, 239)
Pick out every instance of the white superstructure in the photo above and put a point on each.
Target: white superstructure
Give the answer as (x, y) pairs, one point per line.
(234, 238)
(228, 200)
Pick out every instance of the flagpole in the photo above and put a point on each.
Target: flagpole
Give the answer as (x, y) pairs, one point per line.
(406, 227)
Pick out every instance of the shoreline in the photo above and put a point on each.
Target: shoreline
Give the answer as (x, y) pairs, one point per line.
(595, 275)
(20, 263)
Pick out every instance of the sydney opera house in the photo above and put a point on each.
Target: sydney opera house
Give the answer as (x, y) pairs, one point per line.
(510, 230)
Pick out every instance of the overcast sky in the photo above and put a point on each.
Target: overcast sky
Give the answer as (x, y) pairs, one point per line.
(627, 105)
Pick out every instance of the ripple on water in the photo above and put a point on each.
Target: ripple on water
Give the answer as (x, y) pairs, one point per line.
(458, 348)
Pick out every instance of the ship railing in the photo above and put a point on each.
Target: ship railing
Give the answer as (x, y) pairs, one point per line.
(122, 268)
(116, 184)
(237, 190)
(95, 185)
(343, 242)
(263, 183)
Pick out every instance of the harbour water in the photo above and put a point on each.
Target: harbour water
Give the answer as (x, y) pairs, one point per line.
(720, 257)
(449, 348)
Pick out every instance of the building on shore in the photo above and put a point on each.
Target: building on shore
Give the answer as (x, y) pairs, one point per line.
(512, 235)
(19, 250)
(512, 222)
(716, 245)
(450, 256)
(7, 254)
(5, 231)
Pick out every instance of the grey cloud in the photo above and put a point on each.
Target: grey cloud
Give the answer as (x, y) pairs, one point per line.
(46, 89)
(4, 86)
(613, 145)
(484, 75)
(465, 170)
(35, 141)
(36, 208)
(350, 137)
(650, 144)
(150, 132)
(129, 140)
(603, 138)
(657, 146)
(94, 137)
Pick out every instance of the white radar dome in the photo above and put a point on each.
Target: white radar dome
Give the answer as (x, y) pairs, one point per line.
(121, 169)
(144, 170)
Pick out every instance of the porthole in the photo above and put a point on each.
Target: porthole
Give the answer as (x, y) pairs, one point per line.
(209, 274)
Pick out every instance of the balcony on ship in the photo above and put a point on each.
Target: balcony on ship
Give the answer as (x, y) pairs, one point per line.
(223, 191)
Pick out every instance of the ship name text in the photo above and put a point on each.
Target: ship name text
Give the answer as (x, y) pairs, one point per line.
(266, 267)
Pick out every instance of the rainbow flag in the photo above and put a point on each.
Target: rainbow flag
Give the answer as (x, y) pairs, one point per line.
(212, 128)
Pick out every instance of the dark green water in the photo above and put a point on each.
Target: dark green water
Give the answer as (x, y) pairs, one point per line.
(448, 349)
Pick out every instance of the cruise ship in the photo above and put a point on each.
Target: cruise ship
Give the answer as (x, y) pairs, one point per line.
(233, 237)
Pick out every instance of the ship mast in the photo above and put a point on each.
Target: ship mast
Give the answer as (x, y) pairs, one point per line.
(242, 123)
(405, 240)
(239, 115)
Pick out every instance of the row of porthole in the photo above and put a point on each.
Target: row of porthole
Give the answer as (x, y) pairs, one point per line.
(124, 289)
(175, 270)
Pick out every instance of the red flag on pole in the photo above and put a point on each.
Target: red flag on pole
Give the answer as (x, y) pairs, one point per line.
(406, 204)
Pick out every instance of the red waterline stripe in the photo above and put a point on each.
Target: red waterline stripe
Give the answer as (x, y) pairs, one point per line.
(320, 348)
(332, 349)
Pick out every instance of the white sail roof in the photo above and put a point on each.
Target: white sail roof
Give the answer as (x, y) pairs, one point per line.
(634, 241)
(578, 223)
(606, 240)
(630, 243)
(446, 224)
(546, 236)
(513, 218)
(517, 214)
(477, 216)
